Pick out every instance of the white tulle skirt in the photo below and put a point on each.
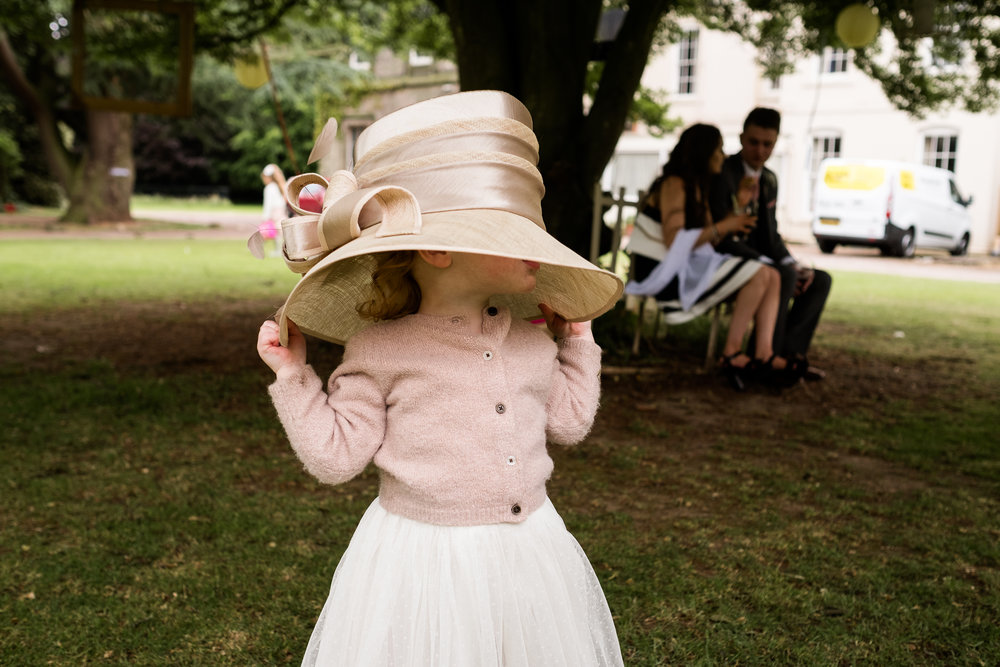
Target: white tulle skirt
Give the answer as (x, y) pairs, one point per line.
(408, 593)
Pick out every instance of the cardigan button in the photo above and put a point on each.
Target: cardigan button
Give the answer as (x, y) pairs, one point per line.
(501, 408)
(516, 509)
(492, 311)
(487, 355)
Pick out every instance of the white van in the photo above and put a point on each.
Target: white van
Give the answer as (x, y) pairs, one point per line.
(894, 206)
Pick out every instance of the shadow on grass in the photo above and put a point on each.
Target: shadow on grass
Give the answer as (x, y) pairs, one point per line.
(153, 511)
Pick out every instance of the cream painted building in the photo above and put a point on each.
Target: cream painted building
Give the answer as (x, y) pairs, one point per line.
(829, 108)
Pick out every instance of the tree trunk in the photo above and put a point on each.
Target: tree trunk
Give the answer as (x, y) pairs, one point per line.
(539, 52)
(101, 186)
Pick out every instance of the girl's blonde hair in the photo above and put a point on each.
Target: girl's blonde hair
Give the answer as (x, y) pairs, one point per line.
(394, 291)
(274, 173)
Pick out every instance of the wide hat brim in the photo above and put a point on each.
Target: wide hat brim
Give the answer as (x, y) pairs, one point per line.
(324, 302)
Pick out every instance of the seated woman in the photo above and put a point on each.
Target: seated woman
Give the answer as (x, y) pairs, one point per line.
(675, 261)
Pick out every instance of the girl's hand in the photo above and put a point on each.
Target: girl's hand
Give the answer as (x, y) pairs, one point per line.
(560, 328)
(746, 191)
(274, 355)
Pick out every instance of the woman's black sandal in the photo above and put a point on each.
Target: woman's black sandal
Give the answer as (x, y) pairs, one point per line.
(736, 375)
(765, 372)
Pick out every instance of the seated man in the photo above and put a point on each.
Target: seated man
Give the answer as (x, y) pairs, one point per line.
(803, 290)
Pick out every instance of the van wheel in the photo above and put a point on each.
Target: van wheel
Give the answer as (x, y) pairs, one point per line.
(906, 243)
(826, 247)
(962, 247)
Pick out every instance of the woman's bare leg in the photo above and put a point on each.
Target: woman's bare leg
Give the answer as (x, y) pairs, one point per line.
(765, 317)
(748, 301)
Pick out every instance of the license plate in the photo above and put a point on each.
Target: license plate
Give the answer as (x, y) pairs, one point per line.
(829, 221)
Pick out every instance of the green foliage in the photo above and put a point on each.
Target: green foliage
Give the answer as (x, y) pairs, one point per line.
(23, 171)
(234, 131)
(112, 41)
(649, 106)
(416, 24)
(10, 163)
(952, 61)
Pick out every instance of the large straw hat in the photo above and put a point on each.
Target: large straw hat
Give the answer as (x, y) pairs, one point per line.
(453, 173)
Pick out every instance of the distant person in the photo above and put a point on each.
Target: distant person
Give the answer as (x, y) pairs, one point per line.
(692, 275)
(805, 288)
(274, 205)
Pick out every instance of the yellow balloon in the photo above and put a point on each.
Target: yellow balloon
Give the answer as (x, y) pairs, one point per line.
(251, 73)
(857, 25)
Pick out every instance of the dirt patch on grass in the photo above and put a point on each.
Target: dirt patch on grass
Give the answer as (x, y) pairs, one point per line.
(659, 423)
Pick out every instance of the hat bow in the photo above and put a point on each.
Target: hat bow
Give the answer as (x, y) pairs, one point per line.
(347, 209)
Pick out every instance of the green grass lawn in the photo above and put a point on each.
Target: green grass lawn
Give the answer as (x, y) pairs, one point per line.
(163, 203)
(160, 203)
(94, 272)
(154, 517)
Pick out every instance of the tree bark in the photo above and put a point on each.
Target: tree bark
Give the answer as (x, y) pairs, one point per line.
(101, 187)
(539, 52)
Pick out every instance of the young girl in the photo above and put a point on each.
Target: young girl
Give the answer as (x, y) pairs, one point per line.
(427, 260)
(274, 203)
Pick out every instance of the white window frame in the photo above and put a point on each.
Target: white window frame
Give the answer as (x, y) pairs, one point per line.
(834, 61)
(687, 62)
(940, 149)
(355, 62)
(418, 60)
(822, 145)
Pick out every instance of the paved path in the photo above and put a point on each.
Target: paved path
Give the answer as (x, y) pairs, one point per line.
(926, 264)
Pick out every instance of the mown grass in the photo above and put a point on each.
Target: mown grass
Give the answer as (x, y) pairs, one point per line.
(200, 203)
(160, 203)
(160, 518)
(74, 272)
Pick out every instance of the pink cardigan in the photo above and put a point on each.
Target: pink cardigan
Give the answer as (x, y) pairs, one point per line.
(455, 424)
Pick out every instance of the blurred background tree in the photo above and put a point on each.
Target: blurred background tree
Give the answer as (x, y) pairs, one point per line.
(580, 91)
(88, 152)
(233, 131)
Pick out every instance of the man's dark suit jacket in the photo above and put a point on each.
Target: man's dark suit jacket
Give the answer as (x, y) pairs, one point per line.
(794, 328)
(763, 239)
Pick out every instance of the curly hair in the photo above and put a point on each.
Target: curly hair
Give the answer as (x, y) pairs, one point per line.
(394, 291)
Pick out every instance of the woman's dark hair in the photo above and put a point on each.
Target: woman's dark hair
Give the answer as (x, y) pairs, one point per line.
(689, 161)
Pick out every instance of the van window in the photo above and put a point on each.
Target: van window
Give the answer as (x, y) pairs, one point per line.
(955, 194)
(853, 177)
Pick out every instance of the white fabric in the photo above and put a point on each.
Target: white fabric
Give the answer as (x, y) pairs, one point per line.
(413, 594)
(693, 266)
(274, 203)
(751, 172)
(647, 238)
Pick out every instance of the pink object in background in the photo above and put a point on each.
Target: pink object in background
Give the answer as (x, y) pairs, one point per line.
(268, 229)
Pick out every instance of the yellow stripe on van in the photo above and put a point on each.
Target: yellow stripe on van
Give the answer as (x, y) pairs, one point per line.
(906, 179)
(853, 177)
